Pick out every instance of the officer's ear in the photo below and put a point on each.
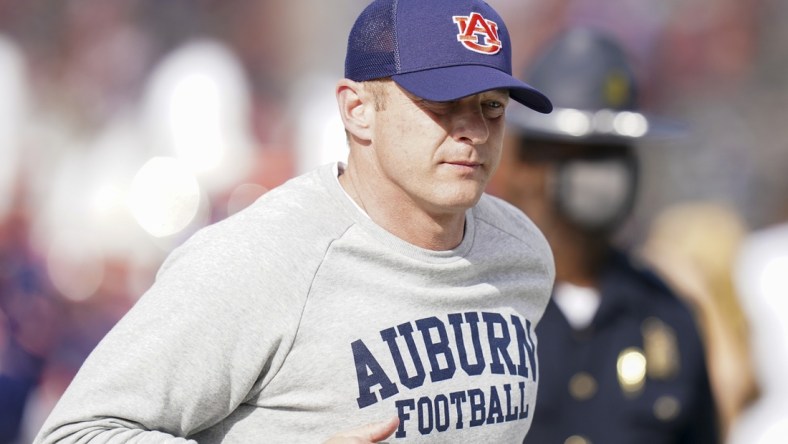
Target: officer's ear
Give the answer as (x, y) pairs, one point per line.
(356, 107)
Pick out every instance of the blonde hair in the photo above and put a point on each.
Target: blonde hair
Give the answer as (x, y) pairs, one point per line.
(377, 88)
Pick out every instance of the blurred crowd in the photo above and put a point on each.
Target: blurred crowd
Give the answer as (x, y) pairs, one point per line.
(126, 125)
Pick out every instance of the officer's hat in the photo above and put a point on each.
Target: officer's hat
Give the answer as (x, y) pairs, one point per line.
(593, 88)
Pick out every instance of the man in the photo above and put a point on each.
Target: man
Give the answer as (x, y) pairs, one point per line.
(389, 291)
(621, 358)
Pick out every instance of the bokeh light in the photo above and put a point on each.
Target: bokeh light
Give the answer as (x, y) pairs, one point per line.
(197, 110)
(630, 124)
(75, 265)
(164, 196)
(320, 133)
(573, 122)
(774, 283)
(13, 105)
(631, 367)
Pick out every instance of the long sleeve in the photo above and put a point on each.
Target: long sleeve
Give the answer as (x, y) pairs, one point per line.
(194, 347)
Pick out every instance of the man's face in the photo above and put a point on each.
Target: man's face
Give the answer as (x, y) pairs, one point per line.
(438, 155)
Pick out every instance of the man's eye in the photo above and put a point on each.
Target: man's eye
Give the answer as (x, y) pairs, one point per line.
(494, 108)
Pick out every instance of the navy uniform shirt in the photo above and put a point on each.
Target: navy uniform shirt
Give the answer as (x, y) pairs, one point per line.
(635, 375)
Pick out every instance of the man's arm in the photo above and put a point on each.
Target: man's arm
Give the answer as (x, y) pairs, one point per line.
(195, 346)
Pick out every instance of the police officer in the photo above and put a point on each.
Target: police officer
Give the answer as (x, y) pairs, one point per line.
(621, 359)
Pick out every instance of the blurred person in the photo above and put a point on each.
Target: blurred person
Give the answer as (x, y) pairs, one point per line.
(695, 246)
(80, 326)
(761, 277)
(353, 294)
(19, 277)
(28, 320)
(621, 357)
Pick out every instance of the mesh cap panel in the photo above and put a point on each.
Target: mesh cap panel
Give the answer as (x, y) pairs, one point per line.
(372, 47)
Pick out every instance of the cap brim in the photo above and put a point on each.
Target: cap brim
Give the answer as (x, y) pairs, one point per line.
(454, 82)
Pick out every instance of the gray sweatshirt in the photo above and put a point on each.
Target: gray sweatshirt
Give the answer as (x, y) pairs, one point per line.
(299, 317)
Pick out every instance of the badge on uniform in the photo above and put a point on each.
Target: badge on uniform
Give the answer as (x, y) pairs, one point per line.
(661, 347)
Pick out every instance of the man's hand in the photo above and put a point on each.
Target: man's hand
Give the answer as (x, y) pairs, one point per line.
(368, 434)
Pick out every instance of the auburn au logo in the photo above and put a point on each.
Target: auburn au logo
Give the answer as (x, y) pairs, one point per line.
(478, 34)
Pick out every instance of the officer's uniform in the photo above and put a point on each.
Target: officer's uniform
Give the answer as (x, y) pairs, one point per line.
(633, 370)
(635, 375)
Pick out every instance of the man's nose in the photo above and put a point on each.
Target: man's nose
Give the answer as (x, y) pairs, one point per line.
(469, 125)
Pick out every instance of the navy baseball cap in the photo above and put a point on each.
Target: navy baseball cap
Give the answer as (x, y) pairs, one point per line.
(438, 50)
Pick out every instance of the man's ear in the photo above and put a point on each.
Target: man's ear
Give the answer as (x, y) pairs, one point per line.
(356, 107)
